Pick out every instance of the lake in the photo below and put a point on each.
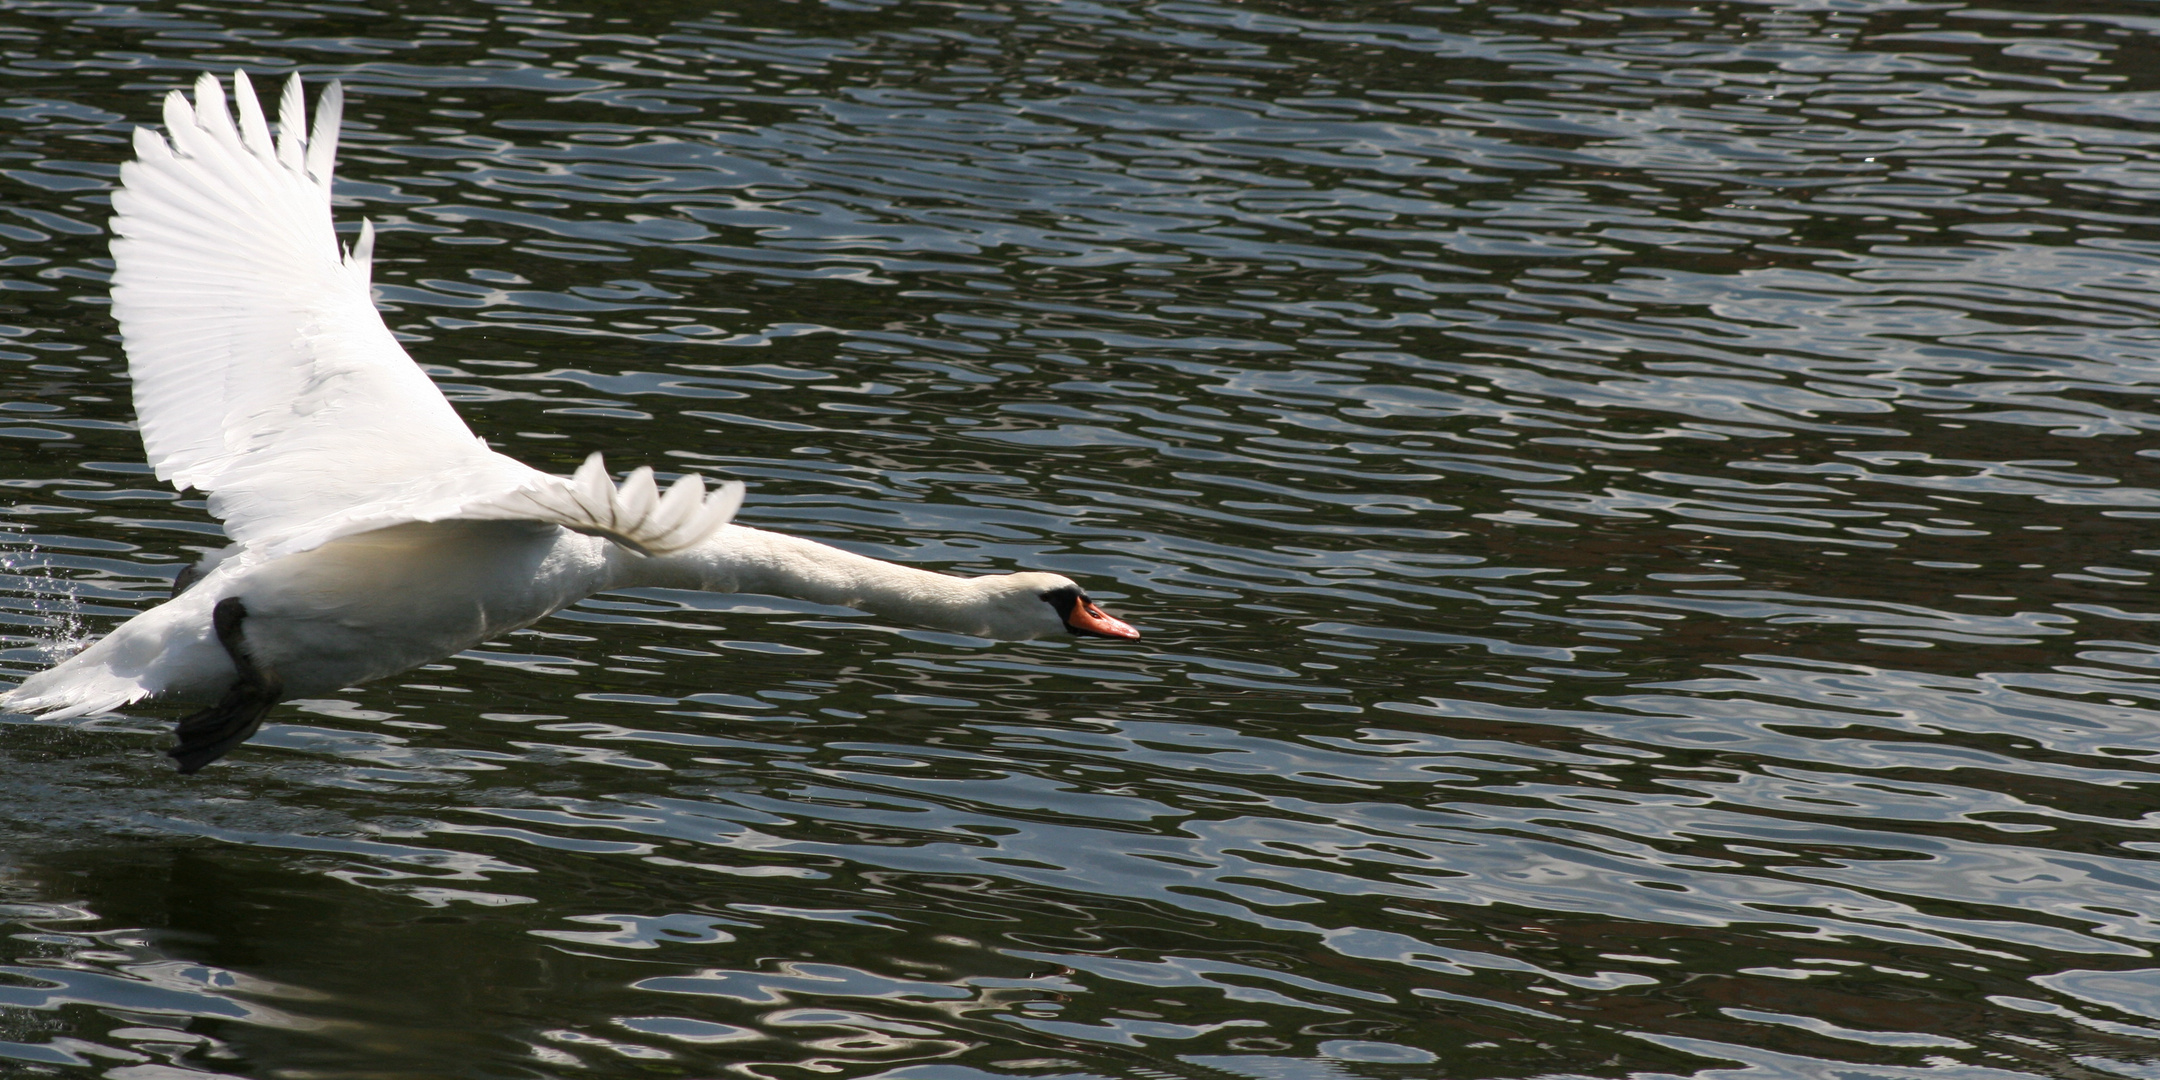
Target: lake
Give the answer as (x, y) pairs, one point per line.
(1643, 520)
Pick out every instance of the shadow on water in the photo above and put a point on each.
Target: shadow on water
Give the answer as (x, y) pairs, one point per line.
(1640, 517)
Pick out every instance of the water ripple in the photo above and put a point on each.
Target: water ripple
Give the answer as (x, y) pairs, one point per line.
(1637, 514)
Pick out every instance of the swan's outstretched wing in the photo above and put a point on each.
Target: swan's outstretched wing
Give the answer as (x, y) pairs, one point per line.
(264, 376)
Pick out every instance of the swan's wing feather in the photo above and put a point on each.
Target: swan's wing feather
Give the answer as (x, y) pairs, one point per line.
(263, 374)
(501, 489)
(634, 515)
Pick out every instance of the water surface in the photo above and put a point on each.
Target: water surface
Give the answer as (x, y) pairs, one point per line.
(1641, 515)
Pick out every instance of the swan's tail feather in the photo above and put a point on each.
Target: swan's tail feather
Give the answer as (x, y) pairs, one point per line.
(635, 515)
(85, 684)
(164, 649)
(51, 695)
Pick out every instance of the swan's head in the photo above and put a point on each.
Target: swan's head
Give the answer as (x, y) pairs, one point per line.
(1046, 605)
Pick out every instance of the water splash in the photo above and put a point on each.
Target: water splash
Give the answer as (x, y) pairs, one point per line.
(45, 601)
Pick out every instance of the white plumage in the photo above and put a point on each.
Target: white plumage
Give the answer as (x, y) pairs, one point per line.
(264, 376)
(372, 530)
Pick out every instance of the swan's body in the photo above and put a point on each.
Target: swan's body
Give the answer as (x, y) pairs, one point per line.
(373, 532)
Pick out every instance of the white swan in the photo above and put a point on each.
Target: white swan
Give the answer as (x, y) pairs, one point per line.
(372, 531)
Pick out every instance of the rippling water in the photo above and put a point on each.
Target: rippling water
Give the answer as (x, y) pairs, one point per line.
(1643, 519)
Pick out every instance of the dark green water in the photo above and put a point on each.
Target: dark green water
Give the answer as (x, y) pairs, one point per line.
(1642, 517)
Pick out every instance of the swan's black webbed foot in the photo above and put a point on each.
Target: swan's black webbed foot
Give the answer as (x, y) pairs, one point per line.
(208, 735)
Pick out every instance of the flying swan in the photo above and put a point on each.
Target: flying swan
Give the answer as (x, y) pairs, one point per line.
(372, 531)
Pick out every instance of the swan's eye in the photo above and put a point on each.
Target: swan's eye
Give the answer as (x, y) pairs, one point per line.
(1062, 600)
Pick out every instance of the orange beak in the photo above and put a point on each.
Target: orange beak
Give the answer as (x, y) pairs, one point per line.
(1086, 618)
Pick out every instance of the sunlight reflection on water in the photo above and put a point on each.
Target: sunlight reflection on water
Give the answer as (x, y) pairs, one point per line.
(1638, 515)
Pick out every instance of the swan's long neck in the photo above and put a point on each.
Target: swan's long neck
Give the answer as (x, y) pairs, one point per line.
(740, 559)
